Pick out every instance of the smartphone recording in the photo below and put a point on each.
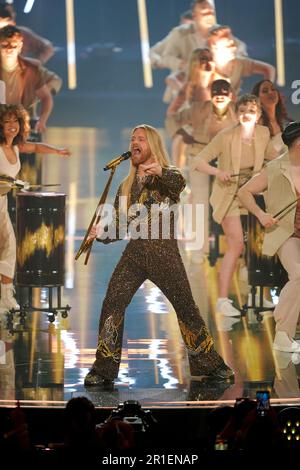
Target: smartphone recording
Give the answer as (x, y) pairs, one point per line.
(262, 401)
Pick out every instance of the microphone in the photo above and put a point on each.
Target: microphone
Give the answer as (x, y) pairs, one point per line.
(117, 161)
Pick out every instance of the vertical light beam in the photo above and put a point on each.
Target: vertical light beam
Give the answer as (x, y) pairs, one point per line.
(72, 80)
(71, 234)
(280, 64)
(28, 6)
(213, 4)
(144, 38)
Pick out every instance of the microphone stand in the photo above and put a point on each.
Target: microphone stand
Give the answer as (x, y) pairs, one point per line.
(86, 245)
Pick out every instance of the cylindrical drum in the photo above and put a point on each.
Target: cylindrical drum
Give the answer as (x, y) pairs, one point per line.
(262, 270)
(40, 239)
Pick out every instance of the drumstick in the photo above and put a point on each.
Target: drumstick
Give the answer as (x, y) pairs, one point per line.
(42, 185)
(286, 207)
(31, 186)
(242, 173)
(9, 185)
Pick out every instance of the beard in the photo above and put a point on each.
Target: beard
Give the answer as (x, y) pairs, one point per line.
(140, 158)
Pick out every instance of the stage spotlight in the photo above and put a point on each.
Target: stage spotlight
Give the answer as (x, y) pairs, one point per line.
(279, 36)
(145, 47)
(71, 44)
(28, 6)
(289, 421)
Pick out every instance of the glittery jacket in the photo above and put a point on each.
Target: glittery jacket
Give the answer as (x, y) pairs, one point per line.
(151, 200)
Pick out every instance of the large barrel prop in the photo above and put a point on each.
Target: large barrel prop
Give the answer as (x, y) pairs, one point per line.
(262, 270)
(40, 239)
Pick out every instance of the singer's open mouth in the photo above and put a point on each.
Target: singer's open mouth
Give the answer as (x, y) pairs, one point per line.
(136, 151)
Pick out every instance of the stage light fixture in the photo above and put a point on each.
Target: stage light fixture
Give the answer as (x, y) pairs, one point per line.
(71, 48)
(279, 37)
(145, 47)
(28, 6)
(289, 420)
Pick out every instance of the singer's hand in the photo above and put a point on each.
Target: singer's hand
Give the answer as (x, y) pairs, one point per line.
(152, 168)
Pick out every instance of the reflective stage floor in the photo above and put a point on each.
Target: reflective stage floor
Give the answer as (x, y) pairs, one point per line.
(44, 364)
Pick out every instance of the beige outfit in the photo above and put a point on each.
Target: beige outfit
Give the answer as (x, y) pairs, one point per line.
(226, 146)
(280, 238)
(247, 164)
(235, 70)
(177, 47)
(286, 380)
(35, 46)
(204, 121)
(13, 84)
(156, 52)
(31, 77)
(181, 41)
(205, 125)
(279, 194)
(278, 143)
(287, 310)
(7, 236)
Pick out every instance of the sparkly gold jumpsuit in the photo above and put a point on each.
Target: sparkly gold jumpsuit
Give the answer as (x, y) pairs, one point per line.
(158, 260)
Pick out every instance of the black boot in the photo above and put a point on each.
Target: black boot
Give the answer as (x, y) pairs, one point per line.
(209, 364)
(207, 389)
(93, 378)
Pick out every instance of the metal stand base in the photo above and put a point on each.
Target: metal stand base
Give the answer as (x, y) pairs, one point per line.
(256, 308)
(28, 307)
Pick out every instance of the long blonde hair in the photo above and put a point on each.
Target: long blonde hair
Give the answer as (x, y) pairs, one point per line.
(198, 58)
(157, 148)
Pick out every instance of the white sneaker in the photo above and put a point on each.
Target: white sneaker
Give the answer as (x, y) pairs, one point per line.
(224, 323)
(296, 358)
(7, 301)
(282, 342)
(224, 307)
(266, 303)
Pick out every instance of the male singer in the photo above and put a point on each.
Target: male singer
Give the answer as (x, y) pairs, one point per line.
(151, 181)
